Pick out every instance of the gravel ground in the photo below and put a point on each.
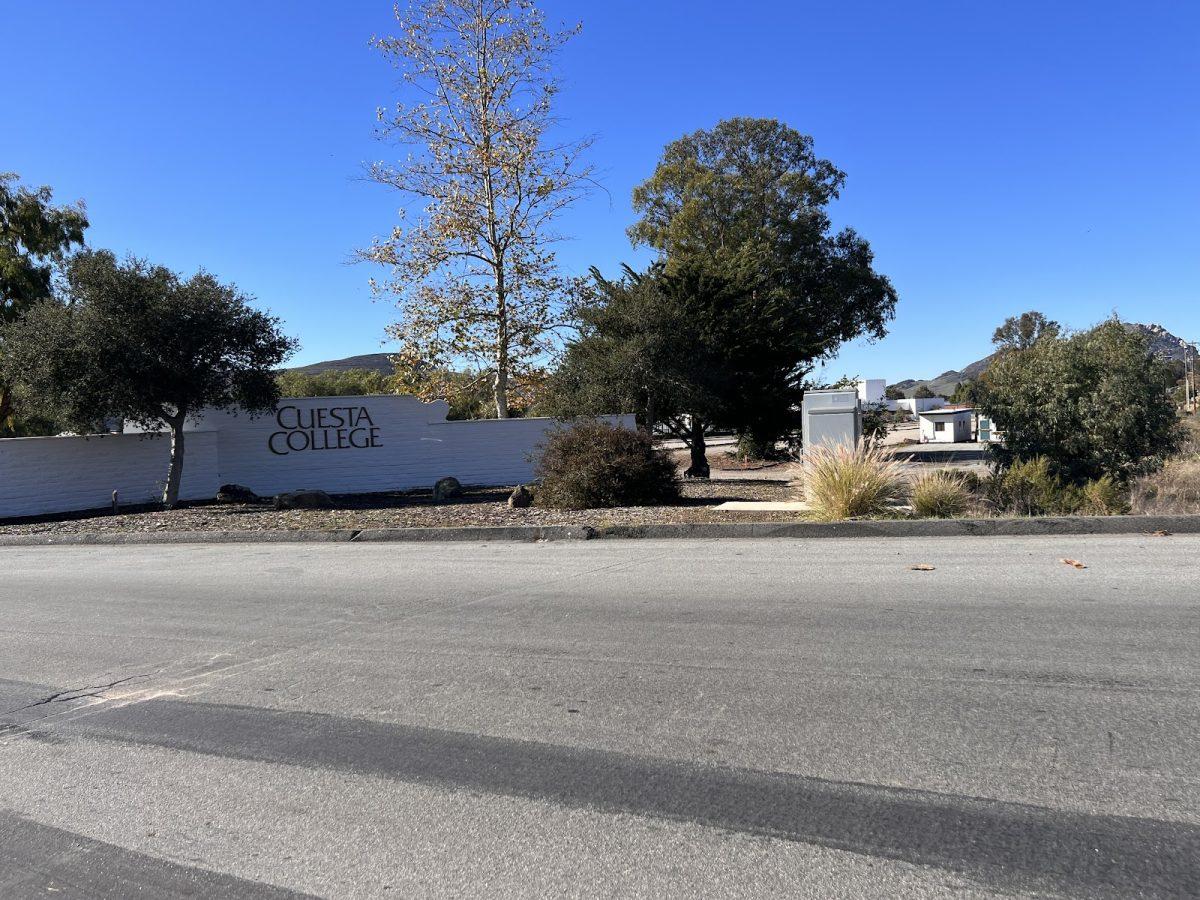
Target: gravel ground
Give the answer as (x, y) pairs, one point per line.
(416, 509)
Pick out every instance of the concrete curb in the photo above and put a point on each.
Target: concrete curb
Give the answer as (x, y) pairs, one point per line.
(897, 528)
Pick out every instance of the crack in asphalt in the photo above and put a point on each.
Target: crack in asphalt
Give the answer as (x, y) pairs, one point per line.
(77, 693)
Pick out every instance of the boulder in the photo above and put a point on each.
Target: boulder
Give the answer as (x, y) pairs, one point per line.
(236, 493)
(303, 500)
(446, 488)
(521, 498)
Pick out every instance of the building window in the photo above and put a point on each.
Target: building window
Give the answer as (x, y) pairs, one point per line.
(939, 426)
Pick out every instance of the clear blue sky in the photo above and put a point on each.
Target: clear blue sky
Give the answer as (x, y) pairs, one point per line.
(1000, 156)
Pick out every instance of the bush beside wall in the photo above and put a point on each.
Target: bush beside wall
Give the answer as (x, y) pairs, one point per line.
(596, 465)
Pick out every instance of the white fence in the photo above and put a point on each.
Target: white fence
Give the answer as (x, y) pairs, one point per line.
(337, 444)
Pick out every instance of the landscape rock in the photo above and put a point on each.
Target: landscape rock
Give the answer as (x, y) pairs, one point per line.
(446, 489)
(236, 493)
(521, 498)
(305, 499)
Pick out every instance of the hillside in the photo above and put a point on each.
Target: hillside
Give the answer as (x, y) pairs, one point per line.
(375, 362)
(1162, 344)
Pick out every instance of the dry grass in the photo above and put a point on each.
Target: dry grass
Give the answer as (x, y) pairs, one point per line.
(842, 482)
(940, 494)
(1172, 490)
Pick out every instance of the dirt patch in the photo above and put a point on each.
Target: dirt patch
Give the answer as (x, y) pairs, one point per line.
(416, 509)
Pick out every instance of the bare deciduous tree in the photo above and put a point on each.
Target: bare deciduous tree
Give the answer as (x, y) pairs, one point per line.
(474, 272)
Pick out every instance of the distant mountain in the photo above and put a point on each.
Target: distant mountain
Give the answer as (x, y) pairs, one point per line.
(375, 362)
(1162, 344)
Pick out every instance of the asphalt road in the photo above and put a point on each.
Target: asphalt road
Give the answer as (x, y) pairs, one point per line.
(608, 718)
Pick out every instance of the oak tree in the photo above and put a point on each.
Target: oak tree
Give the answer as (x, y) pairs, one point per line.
(139, 343)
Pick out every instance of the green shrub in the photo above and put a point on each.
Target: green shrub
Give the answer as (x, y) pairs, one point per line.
(594, 465)
(1028, 488)
(841, 482)
(1102, 497)
(940, 495)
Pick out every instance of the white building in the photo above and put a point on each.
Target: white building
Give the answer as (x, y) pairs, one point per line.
(917, 405)
(947, 426)
(871, 391)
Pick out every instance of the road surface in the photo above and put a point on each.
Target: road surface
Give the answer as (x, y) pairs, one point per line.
(607, 718)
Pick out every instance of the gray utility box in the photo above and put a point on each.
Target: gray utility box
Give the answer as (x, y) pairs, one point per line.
(831, 417)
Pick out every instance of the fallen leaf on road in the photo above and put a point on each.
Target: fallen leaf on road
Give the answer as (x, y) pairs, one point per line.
(923, 567)
(1072, 562)
(1160, 533)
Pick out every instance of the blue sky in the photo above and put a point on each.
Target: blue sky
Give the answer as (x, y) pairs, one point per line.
(1000, 156)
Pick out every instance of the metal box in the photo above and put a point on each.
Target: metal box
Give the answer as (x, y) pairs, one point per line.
(831, 417)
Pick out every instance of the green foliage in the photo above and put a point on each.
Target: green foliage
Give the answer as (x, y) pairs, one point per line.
(878, 420)
(594, 465)
(1023, 331)
(966, 392)
(137, 342)
(1103, 497)
(739, 215)
(893, 393)
(1030, 488)
(840, 482)
(940, 495)
(346, 383)
(923, 392)
(35, 237)
(1092, 404)
(661, 345)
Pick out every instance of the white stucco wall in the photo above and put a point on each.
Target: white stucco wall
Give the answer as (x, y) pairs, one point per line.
(914, 405)
(336, 444)
(63, 474)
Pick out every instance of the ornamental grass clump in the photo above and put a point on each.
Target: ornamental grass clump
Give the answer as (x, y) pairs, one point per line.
(1172, 490)
(594, 465)
(940, 495)
(843, 482)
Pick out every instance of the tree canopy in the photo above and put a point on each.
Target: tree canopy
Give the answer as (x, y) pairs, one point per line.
(138, 342)
(1093, 403)
(748, 252)
(474, 272)
(1023, 331)
(35, 237)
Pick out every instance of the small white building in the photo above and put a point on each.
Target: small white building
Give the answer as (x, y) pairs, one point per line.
(871, 391)
(947, 426)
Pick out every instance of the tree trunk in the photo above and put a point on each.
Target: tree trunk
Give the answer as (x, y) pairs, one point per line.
(5, 405)
(175, 472)
(501, 390)
(699, 467)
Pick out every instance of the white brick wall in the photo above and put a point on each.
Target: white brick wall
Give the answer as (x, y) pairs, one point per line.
(414, 446)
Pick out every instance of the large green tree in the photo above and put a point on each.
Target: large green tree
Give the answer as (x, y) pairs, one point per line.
(1023, 331)
(663, 346)
(747, 202)
(1093, 403)
(138, 342)
(35, 237)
